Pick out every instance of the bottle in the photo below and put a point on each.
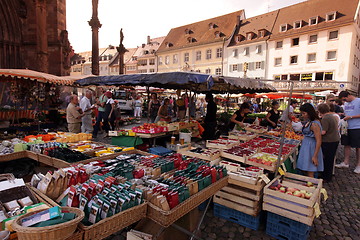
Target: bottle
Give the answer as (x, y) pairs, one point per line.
(173, 140)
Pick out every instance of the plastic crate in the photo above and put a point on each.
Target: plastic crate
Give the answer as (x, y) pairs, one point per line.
(159, 151)
(237, 216)
(284, 228)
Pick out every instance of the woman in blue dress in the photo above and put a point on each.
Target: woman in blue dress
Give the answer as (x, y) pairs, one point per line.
(310, 158)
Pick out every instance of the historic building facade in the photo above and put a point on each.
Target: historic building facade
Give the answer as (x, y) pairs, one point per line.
(33, 35)
(198, 46)
(315, 41)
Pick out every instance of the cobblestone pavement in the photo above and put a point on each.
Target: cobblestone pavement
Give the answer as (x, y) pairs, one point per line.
(340, 218)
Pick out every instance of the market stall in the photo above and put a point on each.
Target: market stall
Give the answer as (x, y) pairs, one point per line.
(30, 100)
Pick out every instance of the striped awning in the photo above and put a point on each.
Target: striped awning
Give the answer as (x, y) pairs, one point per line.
(38, 76)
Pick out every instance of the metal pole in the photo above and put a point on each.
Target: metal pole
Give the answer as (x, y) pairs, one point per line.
(283, 130)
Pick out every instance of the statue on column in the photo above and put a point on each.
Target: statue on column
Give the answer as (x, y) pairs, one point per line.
(121, 50)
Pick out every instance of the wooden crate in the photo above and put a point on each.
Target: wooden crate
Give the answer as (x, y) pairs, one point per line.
(54, 162)
(241, 196)
(295, 208)
(209, 144)
(212, 157)
(242, 137)
(233, 157)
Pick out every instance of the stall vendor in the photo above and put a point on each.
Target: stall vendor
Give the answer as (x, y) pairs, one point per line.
(74, 115)
(239, 116)
(163, 113)
(210, 118)
(272, 117)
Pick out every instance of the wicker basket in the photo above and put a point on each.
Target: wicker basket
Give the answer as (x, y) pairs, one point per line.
(15, 193)
(60, 231)
(12, 156)
(166, 218)
(115, 223)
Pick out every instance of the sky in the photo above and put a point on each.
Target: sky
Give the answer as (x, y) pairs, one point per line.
(142, 18)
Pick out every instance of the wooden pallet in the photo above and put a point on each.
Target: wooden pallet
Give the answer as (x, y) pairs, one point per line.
(295, 208)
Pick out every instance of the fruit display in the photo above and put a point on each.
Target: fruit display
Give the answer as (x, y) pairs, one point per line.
(262, 158)
(290, 190)
(288, 134)
(237, 153)
(255, 128)
(275, 150)
(221, 143)
(149, 128)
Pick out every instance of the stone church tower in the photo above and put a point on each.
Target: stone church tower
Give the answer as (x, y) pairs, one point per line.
(33, 35)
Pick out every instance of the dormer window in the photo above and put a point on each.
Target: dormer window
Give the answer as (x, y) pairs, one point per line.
(218, 34)
(146, 52)
(191, 39)
(239, 38)
(152, 51)
(212, 25)
(297, 24)
(283, 28)
(249, 35)
(188, 31)
(313, 21)
(168, 44)
(261, 33)
(331, 16)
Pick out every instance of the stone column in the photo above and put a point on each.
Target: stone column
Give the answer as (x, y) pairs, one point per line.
(41, 36)
(95, 25)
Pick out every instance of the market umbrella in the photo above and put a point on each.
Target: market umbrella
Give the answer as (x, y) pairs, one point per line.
(169, 80)
(278, 95)
(38, 76)
(234, 85)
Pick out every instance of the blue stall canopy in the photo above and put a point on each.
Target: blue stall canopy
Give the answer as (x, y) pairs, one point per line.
(169, 80)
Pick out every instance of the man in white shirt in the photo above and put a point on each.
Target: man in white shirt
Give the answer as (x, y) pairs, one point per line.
(87, 126)
(289, 112)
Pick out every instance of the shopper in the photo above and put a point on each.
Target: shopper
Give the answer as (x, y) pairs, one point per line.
(210, 118)
(101, 114)
(110, 108)
(273, 115)
(138, 107)
(352, 139)
(74, 115)
(288, 114)
(310, 158)
(86, 107)
(153, 108)
(163, 112)
(331, 99)
(330, 139)
(239, 116)
(181, 107)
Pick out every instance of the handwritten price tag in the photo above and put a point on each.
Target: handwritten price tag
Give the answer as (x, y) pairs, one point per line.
(281, 172)
(265, 178)
(324, 192)
(317, 210)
